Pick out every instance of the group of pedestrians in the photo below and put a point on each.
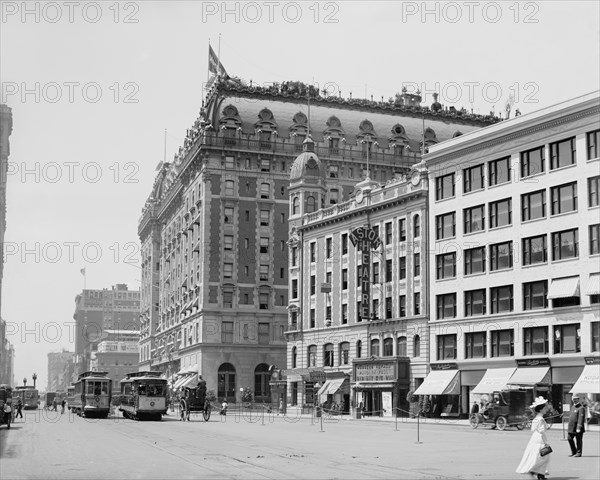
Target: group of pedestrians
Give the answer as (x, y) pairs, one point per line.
(536, 457)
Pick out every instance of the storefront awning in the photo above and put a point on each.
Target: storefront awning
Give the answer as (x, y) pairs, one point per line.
(180, 381)
(323, 388)
(530, 376)
(190, 382)
(593, 285)
(440, 382)
(563, 288)
(333, 386)
(494, 380)
(589, 380)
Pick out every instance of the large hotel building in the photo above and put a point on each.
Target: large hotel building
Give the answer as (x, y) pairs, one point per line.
(214, 231)
(514, 264)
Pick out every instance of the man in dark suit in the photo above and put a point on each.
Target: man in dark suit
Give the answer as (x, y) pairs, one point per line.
(576, 427)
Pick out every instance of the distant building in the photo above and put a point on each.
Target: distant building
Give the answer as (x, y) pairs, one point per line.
(60, 371)
(96, 312)
(7, 357)
(118, 354)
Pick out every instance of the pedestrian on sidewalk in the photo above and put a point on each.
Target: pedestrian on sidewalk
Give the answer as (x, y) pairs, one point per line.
(19, 408)
(224, 406)
(576, 426)
(54, 405)
(62, 405)
(532, 461)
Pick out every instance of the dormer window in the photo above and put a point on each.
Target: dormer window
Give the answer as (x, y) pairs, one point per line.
(333, 171)
(334, 146)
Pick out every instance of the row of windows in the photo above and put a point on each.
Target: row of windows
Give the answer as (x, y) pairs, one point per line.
(501, 343)
(500, 256)
(532, 162)
(535, 296)
(386, 350)
(533, 206)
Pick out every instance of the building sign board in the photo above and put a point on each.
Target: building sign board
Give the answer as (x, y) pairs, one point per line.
(365, 236)
(533, 362)
(375, 372)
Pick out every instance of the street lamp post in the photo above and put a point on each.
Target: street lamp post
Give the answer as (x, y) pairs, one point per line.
(34, 377)
(24, 381)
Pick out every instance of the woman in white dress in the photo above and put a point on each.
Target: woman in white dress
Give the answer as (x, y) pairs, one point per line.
(532, 462)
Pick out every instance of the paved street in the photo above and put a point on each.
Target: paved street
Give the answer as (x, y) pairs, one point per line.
(52, 447)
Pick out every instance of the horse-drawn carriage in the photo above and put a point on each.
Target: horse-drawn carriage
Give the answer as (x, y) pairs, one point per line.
(193, 399)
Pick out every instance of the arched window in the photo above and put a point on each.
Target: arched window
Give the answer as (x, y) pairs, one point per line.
(311, 204)
(312, 356)
(328, 355)
(262, 390)
(375, 347)
(416, 346)
(388, 347)
(226, 382)
(294, 357)
(295, 206)
(344, 353)
(416, 226)
(402, 347)
(358, 349)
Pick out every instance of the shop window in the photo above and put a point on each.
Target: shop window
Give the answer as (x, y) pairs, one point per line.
(475, 345)
(535, 341)
(567, 338)
(446, 347)
(226, 382)
(375, 347)
(328, 355)
(402, 347)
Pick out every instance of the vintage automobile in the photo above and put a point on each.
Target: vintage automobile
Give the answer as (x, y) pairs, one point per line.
(507, 408)
(193, 399)
(6, 411)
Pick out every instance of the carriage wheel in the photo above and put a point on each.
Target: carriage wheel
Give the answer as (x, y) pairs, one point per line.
(474, 420)
(520, 425)
(206, 411)
(183, 411)
(501, 423)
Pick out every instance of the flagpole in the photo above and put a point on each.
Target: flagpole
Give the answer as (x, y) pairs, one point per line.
(219, 58)
(208, 71)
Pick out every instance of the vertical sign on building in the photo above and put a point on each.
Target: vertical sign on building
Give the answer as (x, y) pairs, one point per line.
(365, 239)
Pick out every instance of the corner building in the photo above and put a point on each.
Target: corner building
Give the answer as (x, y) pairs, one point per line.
(214, 230)
(515, 260)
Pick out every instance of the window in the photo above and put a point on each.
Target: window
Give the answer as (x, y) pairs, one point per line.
(595, 326)
(474, 219)
(564, 198)
(264, 244)
(402, 304)
(417, 264)
(535, 341)
(313, 285)
(328, 247)
(265, 190)
(294, 256)
(532, 161)
(562, 153)
(229, 187)
(445, 226)
(334, 196)
(358, 349)
(227, 300)
(313, 314)
(593, 141)
(263, 300)
(499, 171)
(475, 345)
(228, 270)
(265, 164)
(416, 226)
(534, 295)
(333, 171)
(344, 279)
(474, 260)
(264, 272)
(263, 333)
(416, 346)
(388, 307)
(388, 270)
(501, 213)
(501, 299)
(388, 347)
(446, 266)
(265, 217)
(228, 242)
(402, 230)
(311, 204)
(358, 312)
(375, 309)
(228, 215)
(446, 306)
(594, 239)
(535, 250)
(533, 205)
(567, 338)
(313, 248)
(402, 348)
(388, 233)
(375, 347)
(565, 244)
(328, 314)
(344, 243)
(417, 303)
(344, 353)
(446, 347)
(473, 179)
(229, 162)
(503, 343)
(247, 215)
(227, 332)
(344, 314)
(402, 268)
(328, 355)
(312, 356)
(444, 187)
(295, 206)
(593, 189)
(475, 302)
(501, 256)
(294, 288)
(375, 272)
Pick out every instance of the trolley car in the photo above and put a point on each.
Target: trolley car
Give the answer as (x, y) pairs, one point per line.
(92, 395)
(29, 396)
(70, 396)
(143, 396)
(194, 400)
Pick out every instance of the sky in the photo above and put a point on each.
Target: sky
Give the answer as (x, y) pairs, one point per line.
(94, 85)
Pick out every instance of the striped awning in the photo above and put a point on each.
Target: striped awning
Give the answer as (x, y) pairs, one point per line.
(530, 376)
(589, 380)
(563, 288)
(440, 382)
(593, 285)
(495, 379)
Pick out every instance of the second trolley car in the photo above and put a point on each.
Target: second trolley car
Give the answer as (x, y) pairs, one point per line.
(92, 395)
(144, 396)
(29, 396)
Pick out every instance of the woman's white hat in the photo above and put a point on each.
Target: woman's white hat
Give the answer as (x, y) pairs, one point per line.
(538, 401)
